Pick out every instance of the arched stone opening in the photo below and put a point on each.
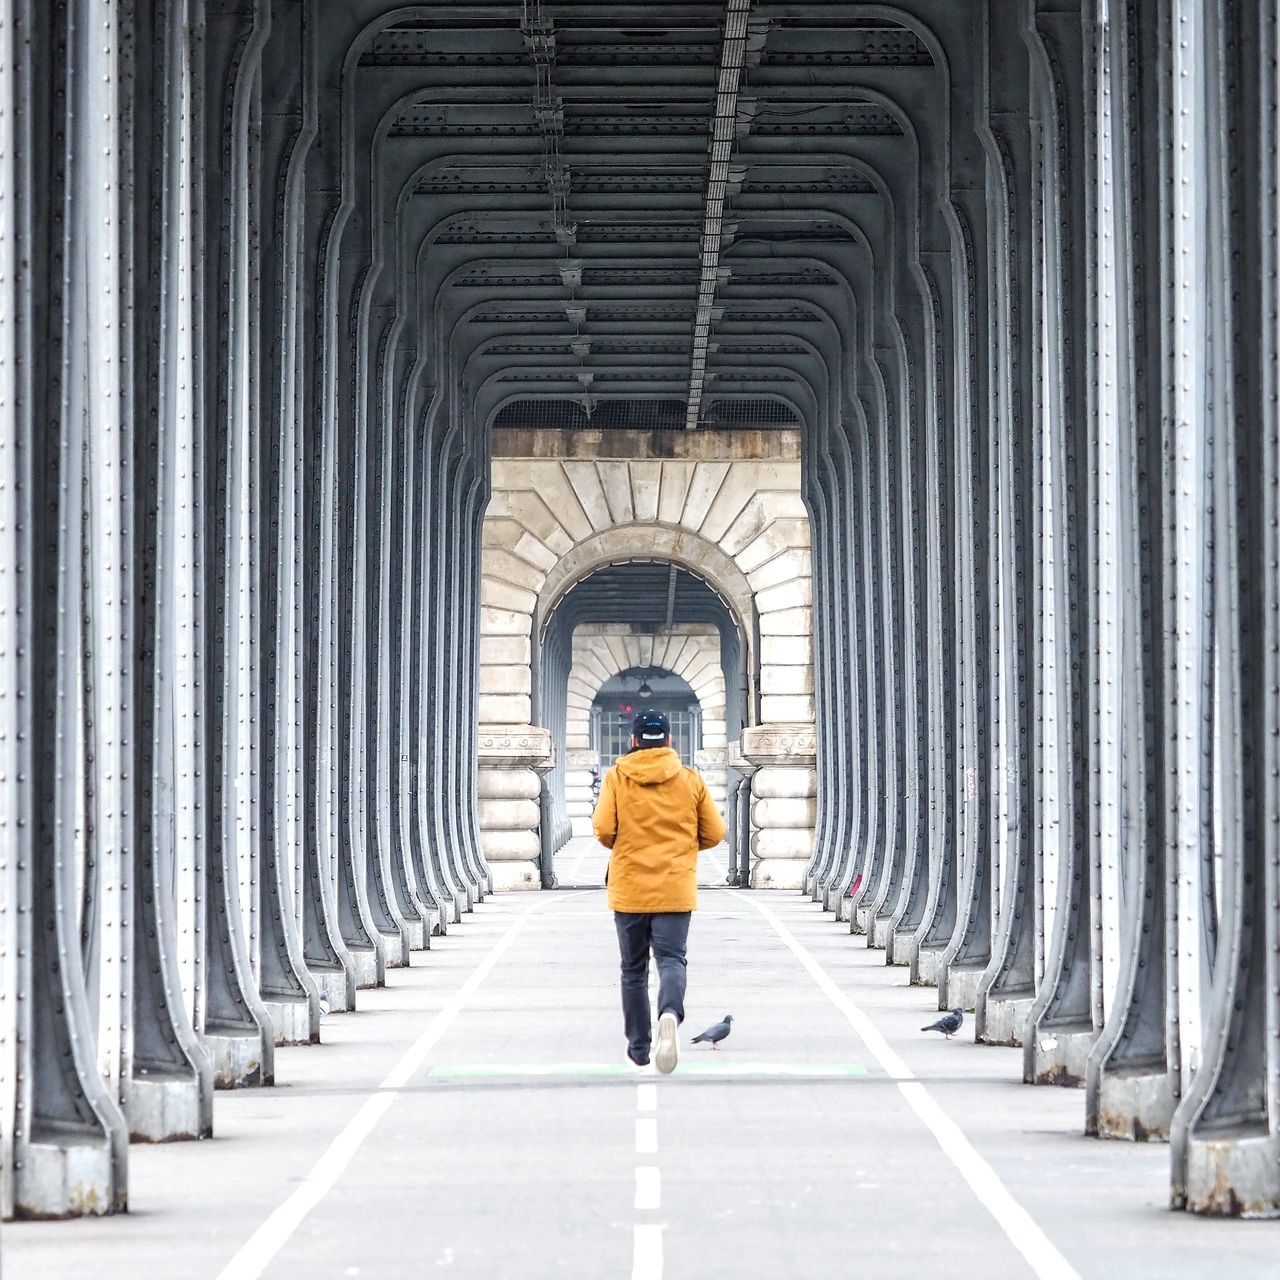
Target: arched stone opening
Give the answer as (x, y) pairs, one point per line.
(727, 511)
(603, 652)
(644, 599)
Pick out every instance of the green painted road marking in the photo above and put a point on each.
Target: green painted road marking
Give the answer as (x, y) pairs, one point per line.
(798, 1070)
(734, 1070)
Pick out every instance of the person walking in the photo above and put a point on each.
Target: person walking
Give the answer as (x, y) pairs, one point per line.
(655, 814)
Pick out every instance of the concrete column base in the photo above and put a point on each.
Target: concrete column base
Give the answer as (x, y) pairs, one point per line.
(416, 935)
(958, 986)
(900, 946)
(65, 1175)
(1004, 1019)
(1136, 1106)
(166, 1107)
(514, 877)
(335, 988)
(879, 931)
(512, 759)
(926, 965)
(1235, 1176)
(1059, 1055)
(393, 952)
(368, 972)
(783, 785)
(578, 801)
(711, 762)
(777, 873)
(291, 1020)
(236, 1057)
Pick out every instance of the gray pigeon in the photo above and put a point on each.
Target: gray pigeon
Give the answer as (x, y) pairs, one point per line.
(948, 1024)
(713, 1035)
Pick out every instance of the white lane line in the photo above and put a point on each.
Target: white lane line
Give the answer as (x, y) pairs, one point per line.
(646, 1137)
(257, 1252)
(646, 1262)
(592, 849)
(1022, 1229)
(648, 1187)
(722, 868)
(646, 1097)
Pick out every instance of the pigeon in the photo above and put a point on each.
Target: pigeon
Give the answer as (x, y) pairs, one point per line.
(948, 1024)
(713, 1035)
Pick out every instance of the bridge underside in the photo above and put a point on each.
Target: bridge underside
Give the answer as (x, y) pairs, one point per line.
(358, 360)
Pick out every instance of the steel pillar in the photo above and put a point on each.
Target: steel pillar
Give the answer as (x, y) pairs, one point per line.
(1134, 1080)
(1067, 1012)
(1226, 1131)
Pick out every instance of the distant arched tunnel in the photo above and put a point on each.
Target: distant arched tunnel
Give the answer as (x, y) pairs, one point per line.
(358, 360)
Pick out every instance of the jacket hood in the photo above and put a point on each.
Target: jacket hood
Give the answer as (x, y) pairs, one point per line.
(650, 766)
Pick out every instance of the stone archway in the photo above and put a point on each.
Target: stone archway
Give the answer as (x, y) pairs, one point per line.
(603, 651)
(564, 504)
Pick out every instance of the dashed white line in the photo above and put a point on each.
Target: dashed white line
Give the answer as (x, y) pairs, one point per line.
(648, 1187)
(1022, 1229)
(646, 1137)
(646, 1261)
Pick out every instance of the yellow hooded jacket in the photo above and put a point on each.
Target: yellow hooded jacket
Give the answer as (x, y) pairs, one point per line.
(655, 815)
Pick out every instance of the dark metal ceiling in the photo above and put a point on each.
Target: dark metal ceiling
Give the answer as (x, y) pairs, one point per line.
(645, 594)
(557, 182)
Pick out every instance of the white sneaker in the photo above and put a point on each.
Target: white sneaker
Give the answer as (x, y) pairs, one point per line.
(668, 1051)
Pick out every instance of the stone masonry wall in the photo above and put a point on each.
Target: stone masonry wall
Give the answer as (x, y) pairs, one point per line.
(725, 505)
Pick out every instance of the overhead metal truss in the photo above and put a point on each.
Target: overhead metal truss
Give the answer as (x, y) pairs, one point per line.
(270, 270)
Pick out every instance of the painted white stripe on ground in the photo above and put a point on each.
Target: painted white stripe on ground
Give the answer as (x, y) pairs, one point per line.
(588, 852)
(721, 868)
(648, 1187)
(646, 1097)
(646, 1137)
(646, 1262)
(1024, 1233)
(261, 1247)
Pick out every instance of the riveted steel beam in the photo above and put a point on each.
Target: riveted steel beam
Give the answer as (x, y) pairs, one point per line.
(237, 1027)
(65, 1140)
(1063, 1021)
(724, 130)
(288, 990)
(1006, 987)
(1133, 1078)
(1225, 1133)
(169, 1092)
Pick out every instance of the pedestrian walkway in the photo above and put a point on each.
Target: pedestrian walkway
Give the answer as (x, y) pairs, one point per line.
(581, 865)
(475, 1119)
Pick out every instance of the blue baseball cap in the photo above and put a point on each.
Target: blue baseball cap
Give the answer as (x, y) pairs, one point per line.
(651, 728)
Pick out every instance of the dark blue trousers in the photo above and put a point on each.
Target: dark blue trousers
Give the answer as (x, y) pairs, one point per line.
(666, 933)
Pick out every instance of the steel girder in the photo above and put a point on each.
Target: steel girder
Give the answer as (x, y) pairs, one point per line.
(65, 1134)
(1068, 1008)
(1226, 1130)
